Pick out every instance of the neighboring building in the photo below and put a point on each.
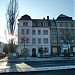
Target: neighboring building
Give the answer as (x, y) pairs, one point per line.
(51, 35)
(63, 35)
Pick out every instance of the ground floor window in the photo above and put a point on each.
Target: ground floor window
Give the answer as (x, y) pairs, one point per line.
(54, 49)
(46, 50)
(73, 49)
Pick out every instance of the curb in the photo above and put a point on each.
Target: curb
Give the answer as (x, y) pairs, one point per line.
(35, 60)
(55, 68)
(22, 60)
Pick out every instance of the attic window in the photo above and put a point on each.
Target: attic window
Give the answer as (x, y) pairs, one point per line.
(25, 23)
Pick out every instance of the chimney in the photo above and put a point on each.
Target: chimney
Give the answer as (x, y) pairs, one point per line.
(53, 19)
(43, 18)
(47, 17)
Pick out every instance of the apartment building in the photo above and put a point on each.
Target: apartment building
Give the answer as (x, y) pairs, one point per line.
(62, 36)
(33, 34)
(51, 35)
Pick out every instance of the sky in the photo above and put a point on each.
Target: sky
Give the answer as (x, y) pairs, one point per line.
(36, 9)
(43, 8)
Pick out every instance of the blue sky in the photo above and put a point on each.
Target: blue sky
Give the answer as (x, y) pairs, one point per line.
(37, 9)
(42, 8)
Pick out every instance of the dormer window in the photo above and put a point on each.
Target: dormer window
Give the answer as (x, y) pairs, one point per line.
(25, 23)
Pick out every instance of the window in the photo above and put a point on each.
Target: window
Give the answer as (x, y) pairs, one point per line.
(39, 24)
(45, 32)
(27, 40)
(39, 40)
(45, 24)
(46, 50)
(39, 32)
(22, 31)
(52, 24)
(54, 40)
(34, 23)
(25, 23)
(54, 31)
(34, 41)
(27, 31)
(66, 25)
(72, 25)
(33, 32)
(54, 50)
(61, 24)
(22, 40)
(45, 40)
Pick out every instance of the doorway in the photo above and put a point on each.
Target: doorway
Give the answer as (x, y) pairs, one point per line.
(33, 52)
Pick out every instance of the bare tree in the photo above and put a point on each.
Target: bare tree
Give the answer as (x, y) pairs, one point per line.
(67, 39)
(12, 13)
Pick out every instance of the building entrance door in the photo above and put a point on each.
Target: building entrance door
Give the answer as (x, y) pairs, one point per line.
(33, 52)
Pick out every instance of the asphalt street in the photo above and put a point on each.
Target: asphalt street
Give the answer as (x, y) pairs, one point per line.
(58, 72)
(35, 64)
(51, 63)
(29, 64)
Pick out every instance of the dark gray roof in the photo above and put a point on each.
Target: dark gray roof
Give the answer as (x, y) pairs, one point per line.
(25, 17)
(63, 17)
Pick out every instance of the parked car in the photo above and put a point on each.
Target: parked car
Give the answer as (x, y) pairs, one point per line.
(2, 55)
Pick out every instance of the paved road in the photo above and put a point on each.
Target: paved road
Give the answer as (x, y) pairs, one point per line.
(30, 64)
(58, 72)
(51, 63)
